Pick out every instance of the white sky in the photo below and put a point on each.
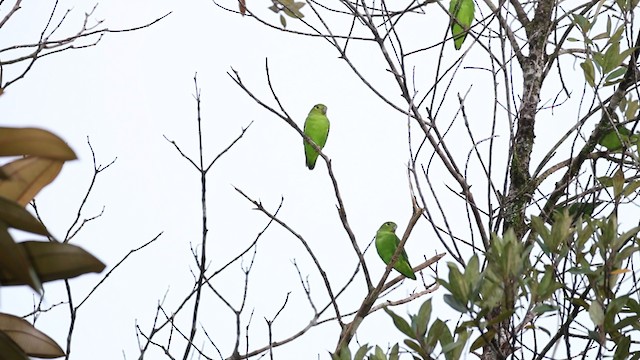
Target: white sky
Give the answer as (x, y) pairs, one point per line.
(133, 88)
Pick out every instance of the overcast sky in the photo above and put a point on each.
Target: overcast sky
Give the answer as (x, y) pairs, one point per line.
(134, 88)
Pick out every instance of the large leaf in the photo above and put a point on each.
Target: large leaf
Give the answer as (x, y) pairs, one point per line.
(14, 262)
(55, 261)
(31, 340)
(27, 176)
(18, 217)
(401, 324)
(9, 349)
(596, 313)
(32, 141)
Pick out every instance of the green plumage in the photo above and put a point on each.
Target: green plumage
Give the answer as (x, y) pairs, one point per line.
(317, 128)
(387, 243)
(462, 10)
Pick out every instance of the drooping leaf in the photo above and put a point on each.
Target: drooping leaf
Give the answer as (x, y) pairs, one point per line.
(455, 304)
(10, 350)
(33, 141)
(401, 324)
(596, 313)
(618, 183)
(589, 72)
(31, 340)
(16, 216)
(14, 262)
(54, 261)
(27, 176)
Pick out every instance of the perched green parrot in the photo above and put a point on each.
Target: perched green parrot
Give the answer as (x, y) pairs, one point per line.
(612, 141)
(463, 11)
(317, 128)
(387, 243)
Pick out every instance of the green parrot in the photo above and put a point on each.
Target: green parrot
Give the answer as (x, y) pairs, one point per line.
(463, 11)
(387, 243)
(317, 128)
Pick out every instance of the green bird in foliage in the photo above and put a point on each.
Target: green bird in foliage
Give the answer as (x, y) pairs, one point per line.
(387, 243)
(462, 11)
(317, 128)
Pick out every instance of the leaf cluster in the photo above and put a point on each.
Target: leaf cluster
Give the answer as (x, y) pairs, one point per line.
(41, 156)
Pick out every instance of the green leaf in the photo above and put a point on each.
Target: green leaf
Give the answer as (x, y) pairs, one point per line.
(603, 35)
(606, 181)
(435, 333)
(632, 109)
(457, 284)
(445, 334)
(560, 230)
(596, 313)
(416, 347)
(589, 72)
(617, 36)
(582, 23)
(616, 73)
(292, 9)
(283, 21)
(548, 284)
(630, 188)
(461, 342)
(618, 183)
(401, 324)
(622, 348)
(362, 352)
(543, 308)
(345, 353)
(394, 354)
(598, 59)
(472, 272)
(422, 320)
(451, 301)
(482, 339)
(611, 56)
